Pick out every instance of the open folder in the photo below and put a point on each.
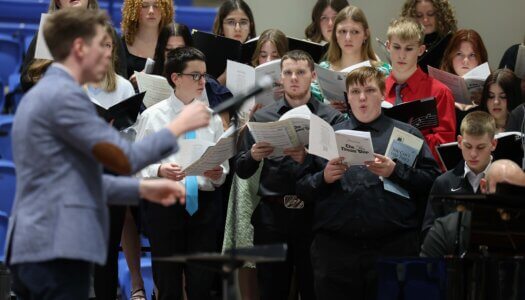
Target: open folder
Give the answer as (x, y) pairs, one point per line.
(124, 114)
(509, 147)
(421, 114)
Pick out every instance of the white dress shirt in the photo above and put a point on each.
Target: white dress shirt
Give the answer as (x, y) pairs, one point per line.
(157, 117)
(473, 178)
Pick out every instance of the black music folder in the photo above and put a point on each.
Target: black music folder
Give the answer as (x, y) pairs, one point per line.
(124, 114)
(509, 147)
(421, 113)
(218, 49)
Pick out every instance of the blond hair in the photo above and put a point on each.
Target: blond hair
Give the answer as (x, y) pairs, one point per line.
(131, 17)
(478, 123)
(406, 29)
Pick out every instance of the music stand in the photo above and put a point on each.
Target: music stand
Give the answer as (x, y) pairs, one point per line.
(496, 237)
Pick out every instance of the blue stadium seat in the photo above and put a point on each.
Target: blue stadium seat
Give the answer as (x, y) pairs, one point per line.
(125, 279)
(6, 122)
(10, 56)
(7, 185)
(200, 18)
(22, 11)
(18, 29)
(4, 218)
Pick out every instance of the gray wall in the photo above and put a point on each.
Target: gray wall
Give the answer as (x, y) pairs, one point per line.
(500, 23)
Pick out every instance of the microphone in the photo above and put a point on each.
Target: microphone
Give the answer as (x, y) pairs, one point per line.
(262, 85)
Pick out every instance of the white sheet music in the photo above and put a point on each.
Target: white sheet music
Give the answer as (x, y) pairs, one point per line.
(354, 146)
(213, 156)
(332, 83)
(157, 88)
(148, 67)
(279, 134)
(462, 87)
(41, 50)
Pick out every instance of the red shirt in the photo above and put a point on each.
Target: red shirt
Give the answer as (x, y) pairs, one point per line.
(419, 86)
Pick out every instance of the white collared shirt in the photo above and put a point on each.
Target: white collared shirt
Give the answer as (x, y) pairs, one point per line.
(474, 179)
(157, 117)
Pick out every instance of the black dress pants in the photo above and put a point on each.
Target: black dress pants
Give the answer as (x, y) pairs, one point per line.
(173, 231)
(345, 268)
(275, 224)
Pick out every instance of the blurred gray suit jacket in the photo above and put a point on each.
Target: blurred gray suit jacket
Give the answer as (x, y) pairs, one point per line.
(59, 141)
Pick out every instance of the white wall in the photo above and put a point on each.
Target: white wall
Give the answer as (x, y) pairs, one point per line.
(500, 23)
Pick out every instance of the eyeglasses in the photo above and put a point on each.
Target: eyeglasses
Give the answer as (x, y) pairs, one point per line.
(145, 5)
(195, 76)
(244, 24)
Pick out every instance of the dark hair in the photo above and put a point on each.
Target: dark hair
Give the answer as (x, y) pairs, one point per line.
(178, 59)
(66, 25)
(445, 17)
(313, 31)
(173, 29)
(276, 37)
(509, 83)
(226, 8)
(464, 35)
(298, 55)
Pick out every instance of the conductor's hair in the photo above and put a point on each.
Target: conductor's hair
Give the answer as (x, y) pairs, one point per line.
(297, 55)
(478, 123)
(177, 60)
(361, 76)
(63, 27)
(406, 29)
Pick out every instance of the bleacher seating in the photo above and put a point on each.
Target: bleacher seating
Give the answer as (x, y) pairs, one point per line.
(7, 185)
(125, 276)
(4, 218)
(6, 121)
(10, 56)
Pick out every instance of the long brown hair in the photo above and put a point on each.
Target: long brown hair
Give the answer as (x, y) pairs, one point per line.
(357, 15)
(445, 17)
(464, 35)
(313, 31)
(276, 37)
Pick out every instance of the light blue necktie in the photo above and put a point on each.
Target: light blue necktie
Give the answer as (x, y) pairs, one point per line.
(192, 188)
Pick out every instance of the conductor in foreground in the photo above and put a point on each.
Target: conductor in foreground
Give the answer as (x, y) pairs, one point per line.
(59, 223)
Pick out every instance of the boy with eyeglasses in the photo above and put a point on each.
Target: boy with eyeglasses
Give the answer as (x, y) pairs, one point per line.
(178, 229)
(281, 216)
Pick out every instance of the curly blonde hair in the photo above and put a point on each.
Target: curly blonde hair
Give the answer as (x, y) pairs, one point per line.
(131, 16)
(445, 16)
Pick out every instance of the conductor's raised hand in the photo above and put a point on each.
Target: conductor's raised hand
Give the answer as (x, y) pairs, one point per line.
(162, 191)
(296, 153)
(334, 170)
(171, 171)
(381, 165)
(193, 116)
(261, 150)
